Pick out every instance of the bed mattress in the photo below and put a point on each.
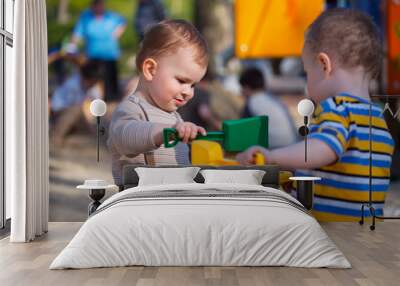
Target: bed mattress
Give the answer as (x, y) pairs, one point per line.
(201, 225)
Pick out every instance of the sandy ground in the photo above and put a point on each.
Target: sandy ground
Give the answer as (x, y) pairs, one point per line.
(76, 161)
(70, 165)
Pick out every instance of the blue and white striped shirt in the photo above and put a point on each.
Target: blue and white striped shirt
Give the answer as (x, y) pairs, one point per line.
(342, 122)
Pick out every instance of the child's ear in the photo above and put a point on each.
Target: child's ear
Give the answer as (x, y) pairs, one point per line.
(149, 68)
(325, 63)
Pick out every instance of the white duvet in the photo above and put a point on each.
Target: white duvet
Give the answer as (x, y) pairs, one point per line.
(185, 230)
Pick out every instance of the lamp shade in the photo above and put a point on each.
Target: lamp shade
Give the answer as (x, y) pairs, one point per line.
(98, 107)
(305, 107)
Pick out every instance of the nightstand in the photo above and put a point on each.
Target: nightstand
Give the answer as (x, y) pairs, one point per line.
(97, 190)
(305, 192)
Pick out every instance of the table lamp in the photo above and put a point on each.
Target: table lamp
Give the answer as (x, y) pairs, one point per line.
(98, 108)
(305, 109)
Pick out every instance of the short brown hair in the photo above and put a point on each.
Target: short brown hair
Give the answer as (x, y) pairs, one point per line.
(349, 36)
(167, 37)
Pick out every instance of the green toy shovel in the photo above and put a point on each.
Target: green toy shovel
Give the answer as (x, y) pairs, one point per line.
(236, 135)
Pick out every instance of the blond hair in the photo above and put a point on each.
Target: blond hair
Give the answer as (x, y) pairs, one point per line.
(167, 37)
(349, 36)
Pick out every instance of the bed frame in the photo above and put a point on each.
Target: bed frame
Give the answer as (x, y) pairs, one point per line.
(130, 179)
(271, 178)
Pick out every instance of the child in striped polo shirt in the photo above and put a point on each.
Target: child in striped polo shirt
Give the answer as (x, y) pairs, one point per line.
(342, 53)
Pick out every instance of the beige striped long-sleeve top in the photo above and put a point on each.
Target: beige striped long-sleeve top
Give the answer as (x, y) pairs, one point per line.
(131, 134)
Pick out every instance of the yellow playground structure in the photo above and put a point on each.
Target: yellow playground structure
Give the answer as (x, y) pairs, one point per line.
(260, 24)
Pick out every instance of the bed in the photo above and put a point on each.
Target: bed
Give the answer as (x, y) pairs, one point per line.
(201, 224)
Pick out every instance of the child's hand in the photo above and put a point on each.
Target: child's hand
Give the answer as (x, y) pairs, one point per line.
(188, 131)
(247, 157)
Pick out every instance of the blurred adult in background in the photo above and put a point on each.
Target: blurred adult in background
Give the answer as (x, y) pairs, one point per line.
(101, 30)
(70, 101)
(281, 128)
(148, 12)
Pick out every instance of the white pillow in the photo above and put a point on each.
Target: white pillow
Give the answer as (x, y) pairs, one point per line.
(248, 177)
(163, 176)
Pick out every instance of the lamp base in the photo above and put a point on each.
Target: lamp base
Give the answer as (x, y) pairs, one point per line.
(373, 215)
(96, 195)
(305, 193)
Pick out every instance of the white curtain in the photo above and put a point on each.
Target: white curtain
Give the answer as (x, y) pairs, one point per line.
(27, 146)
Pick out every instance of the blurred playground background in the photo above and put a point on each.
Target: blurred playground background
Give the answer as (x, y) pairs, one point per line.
(255, 36)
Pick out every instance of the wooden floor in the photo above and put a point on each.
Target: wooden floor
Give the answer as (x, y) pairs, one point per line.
(375, 257)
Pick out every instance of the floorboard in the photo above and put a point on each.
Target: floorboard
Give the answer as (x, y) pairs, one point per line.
(374, 255)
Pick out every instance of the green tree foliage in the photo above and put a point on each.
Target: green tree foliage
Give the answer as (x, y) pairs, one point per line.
(58, 32)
